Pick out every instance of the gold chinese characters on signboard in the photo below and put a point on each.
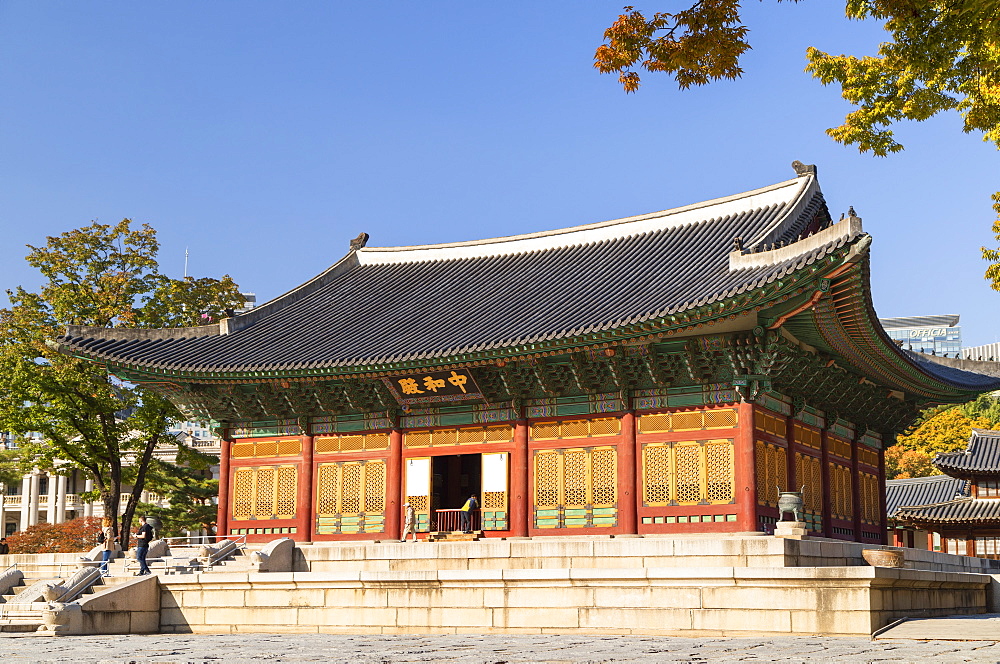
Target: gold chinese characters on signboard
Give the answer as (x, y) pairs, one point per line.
(452, 385)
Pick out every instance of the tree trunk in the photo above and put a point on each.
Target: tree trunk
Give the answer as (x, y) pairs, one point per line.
(140, 484)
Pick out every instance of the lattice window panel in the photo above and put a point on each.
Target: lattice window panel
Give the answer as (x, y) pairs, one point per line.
(808, 437)
(546, 479)
(605, 426)
(605, 476)
(417, 439)
(839, 447)
(266, 448)
(498, 434)
(419, 503)
(242, 450)
(686, 421)
(770, 474)
(721, 418)
(575, 477)
(719, 472)
(327, 482)
(243, 481)
(656, 474)
(593, 428)
(772, 424)
(715, 418)
(544, 430)
(264, 495)
(780, 472)
(444, 437)
(289, 447)
(287, 486)
(687, 462)
(494, 500)
(868, 456)
(351, 443)
(870, 498)
(374, 486)
(659, 423)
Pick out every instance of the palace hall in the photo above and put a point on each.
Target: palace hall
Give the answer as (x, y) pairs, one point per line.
(658, 374)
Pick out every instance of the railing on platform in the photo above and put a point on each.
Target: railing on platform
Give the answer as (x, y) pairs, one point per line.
(12, 500)
(451, 520)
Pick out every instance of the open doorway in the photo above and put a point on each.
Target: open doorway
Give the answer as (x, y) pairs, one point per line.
(455, 478)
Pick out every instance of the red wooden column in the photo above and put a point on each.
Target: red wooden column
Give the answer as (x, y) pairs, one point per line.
(628, 471)
(883, 517)
(394, 485)
(519, 503)
(745, 484)
(826, 508)
(225, 487)
(306, 497)
(856, 485)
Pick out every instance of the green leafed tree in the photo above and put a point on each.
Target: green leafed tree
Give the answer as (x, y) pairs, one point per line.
(940, 55)
(188, 487)
(106, 276)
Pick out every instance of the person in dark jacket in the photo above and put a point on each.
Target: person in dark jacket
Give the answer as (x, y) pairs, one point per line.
(143, 537)
(4, 549)
(471, 505)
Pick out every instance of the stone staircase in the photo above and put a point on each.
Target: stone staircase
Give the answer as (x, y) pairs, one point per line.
(21, 613)
(454, 536)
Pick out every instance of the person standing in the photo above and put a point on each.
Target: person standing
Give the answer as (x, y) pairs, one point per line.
(409, 521)
(470, 505)
(107, 539)
(143, 537)
(4, 548)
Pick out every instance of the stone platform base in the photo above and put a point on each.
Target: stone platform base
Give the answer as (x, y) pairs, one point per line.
(707, 601)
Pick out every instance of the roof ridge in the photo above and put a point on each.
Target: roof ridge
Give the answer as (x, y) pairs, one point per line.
(599, 231)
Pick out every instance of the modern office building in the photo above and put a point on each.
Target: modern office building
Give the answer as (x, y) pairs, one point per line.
(933, 335)
(986, 352)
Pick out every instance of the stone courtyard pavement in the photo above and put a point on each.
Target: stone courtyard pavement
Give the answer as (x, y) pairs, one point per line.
(493, 649)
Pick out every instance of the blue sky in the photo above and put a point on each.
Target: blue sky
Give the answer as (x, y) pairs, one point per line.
(265, 135)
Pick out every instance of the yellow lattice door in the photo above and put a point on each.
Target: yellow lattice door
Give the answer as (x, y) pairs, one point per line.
(285, 494)
(243, 489)
(351, 489)
(656, 474)
(264, 495)
(375, 487)
(719, 471)
(493, 511)
(687, 461)
(327, 482)
(604, 463)
(547, 479)
(575, 478)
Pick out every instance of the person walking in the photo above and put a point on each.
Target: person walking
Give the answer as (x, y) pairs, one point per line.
(143, 537)
(107, 539)
(409, 521)
(471, 505)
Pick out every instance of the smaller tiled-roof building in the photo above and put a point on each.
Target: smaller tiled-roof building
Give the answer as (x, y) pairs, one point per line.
(958, 512)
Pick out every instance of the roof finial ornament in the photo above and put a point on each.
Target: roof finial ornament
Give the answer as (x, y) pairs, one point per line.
(359, 242)
(851, 212)
(842, 215)
(803, 169)
(738, 244)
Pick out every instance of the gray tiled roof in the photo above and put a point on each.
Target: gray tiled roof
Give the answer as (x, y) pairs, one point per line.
(961, 510)
(380, 306)
(981, 456)
(922, 491)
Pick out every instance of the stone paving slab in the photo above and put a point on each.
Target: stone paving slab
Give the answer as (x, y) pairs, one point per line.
(983, 627)
(478, 649)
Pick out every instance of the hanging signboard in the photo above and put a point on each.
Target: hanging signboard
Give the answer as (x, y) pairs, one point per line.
(433, 386)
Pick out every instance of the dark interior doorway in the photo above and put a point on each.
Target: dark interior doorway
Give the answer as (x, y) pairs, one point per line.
(455, 478)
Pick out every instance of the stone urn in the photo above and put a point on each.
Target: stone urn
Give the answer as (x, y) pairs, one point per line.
(154, 522)
(886, 557)
(790, 501)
